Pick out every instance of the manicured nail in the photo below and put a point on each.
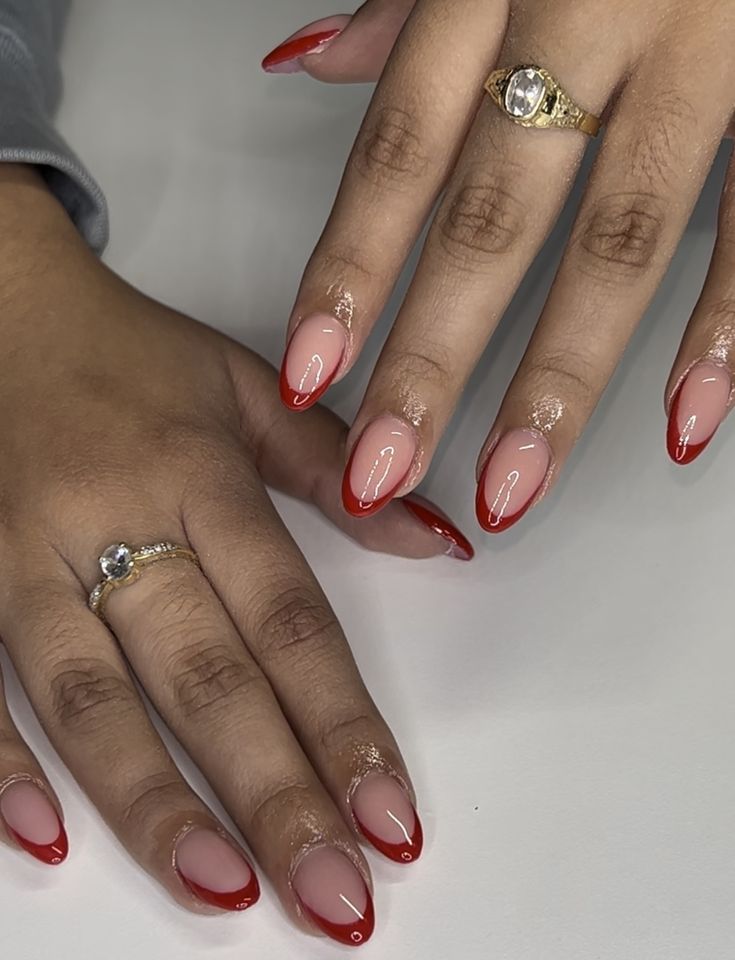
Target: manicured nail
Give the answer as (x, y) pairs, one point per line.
(33, 822)
(214, 871)
(513, 476)
(378, 467)
(387, 818)
(309, 40)
(312, 359)
(335, 896)
(458, 546)
(699, 407)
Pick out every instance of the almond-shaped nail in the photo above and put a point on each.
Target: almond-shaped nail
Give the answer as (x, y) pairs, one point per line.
(214, 871)
(379, 466)
(286, 58)
(427, 513)
(512, 479)
(698, 409)
(387, 818)
(312, 359)
(33, 822)
(334, 896)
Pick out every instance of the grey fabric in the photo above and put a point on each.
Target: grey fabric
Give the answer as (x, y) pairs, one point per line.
(30, 88)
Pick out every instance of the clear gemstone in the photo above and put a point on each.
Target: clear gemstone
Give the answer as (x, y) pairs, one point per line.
(526, 90)
(116, 562)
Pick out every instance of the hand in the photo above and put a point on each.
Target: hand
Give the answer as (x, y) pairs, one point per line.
(662, 74)
(124, 421)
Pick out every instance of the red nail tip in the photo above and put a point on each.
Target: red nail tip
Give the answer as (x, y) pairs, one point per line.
(362, 508)
(680, 451)
(248, 896)
(438, 523)
(51, 854)
(407, 852)
(350, 934)
(301, 401)
(301, 47)
(489, 521)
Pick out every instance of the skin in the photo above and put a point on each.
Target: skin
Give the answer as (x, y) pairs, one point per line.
(123, 420)
(430, 134)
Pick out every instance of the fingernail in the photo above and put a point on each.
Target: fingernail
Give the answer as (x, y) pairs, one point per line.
(379, 466)
(33, 822)
(699, 407)
(214, 871)
(387, 818)
(335, 896)
(458, 546)
(312, 359)
(511, 480)
(309, 40)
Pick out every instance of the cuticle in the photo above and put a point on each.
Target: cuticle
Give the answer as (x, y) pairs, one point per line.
(42, 786)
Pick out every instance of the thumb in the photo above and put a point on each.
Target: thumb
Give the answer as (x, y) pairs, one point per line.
(303, 455)
(343, 49)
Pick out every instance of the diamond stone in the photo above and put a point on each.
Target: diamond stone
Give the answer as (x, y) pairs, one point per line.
(525, 91)
(116, 562)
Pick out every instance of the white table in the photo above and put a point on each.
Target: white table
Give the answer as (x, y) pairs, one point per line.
(566, 701)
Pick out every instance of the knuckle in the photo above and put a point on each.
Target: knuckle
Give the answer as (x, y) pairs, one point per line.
(480, 222)
(621, 236)
(151, 799)
(564, 374)
(390, 151)
(296, 623)
(657, 153)
(280, 803)
(209, 677)
(86, 692)
(342, 733)
(431, 365)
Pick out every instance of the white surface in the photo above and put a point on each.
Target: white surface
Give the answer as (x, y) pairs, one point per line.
(565, 702)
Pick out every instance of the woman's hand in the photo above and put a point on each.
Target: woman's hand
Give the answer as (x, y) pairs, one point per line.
(662, 73)
(124, 421)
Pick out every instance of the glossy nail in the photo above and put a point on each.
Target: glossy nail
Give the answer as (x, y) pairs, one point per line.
(33, 822)
(214, 871)
(334, 896)
(307, 41)
(379, 466)
(312, 359)
(387, 818)
(698, 409)
(458, 546)
(511, 480)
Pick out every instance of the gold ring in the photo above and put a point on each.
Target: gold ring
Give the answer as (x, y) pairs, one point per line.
(532, 97)
(122, 565)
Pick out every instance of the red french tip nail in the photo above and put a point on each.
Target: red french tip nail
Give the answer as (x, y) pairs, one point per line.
(51, 854)
(234, 900)
(350, 934)
(407, 852)
(301, 401)
(424, 511)
(681, 451)
(364, 508)
(490, 521)
(300, 47)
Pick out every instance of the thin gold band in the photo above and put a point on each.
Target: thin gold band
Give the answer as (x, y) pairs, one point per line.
(122, 565)
(548, 105)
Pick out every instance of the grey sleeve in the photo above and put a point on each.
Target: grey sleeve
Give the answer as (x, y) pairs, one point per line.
(30, 88)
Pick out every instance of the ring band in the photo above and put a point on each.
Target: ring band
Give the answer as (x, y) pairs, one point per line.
(532, 97)
(122, 565)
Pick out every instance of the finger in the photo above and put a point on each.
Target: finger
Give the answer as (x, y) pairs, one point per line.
(81, 690)
(30, 813)
(343, 49)
(403, 153)
(292, 633)
(496, 212)
(658, 149)
(699, 391)
(304, 458)
(201, 678)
